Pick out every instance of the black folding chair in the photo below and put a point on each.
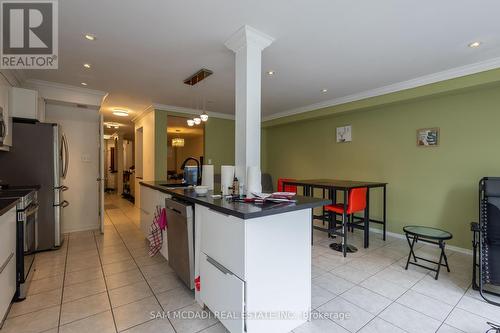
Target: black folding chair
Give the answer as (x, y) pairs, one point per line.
(486, 240)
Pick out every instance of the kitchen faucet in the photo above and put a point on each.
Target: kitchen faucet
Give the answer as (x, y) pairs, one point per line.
(198, 181)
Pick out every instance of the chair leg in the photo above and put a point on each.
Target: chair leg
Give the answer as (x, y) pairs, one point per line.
(344, 232)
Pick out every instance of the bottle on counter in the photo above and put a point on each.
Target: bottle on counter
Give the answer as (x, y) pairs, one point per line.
(236, 186)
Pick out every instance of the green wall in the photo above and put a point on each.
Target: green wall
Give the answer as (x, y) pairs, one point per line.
(219, 142)
(427, 186)
(161, 144)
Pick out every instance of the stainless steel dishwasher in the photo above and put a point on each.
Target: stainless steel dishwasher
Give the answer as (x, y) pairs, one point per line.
(180, 238)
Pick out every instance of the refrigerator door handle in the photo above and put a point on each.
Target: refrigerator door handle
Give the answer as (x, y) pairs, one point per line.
(61, 188)
(3, 130)
(63, 204)
(66, 156)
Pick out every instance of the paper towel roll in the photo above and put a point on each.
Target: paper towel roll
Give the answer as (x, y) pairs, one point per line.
(254, 182)
(226, 178)
(207, 176)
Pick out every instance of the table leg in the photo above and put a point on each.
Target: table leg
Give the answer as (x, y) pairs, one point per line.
(445, 258)
(411, 244)
(367, 220)
(385, 212)
(344, 226)
(441, 246)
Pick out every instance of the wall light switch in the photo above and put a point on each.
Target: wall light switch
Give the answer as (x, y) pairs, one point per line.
(85, 158)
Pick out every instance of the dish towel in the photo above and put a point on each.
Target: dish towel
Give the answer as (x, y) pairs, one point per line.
(163, 219)
(155, 231)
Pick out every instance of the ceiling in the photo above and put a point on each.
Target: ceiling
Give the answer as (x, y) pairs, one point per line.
(144, 50)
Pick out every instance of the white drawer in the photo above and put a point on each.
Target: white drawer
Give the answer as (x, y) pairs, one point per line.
(223, 293)
(223, 239)
(7, 283)
(7, 234)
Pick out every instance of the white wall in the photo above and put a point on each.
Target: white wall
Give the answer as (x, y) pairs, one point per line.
(145, 151)
(81, 127)
(128, 154)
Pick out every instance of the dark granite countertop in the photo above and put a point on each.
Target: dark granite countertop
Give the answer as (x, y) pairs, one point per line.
(7, 204)
(239, 209)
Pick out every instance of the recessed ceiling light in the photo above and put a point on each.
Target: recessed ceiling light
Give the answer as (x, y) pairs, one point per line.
(90, 37)
(108, 126)
(117, 127)
(324, 90)
(83, 84)
(120, 113)
(474, 44)
(86, 65)
(271, 73)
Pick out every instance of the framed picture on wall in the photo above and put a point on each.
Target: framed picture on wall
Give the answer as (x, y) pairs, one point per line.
(344, 134)
(428, 137)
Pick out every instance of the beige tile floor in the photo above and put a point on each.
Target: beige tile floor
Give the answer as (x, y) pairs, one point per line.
(108, 283)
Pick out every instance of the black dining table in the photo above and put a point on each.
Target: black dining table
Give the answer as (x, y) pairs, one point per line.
(330, 188)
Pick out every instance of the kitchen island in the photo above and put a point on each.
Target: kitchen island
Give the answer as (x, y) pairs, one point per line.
(253, 260)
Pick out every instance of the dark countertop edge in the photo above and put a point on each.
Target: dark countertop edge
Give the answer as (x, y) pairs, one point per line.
(7, 204)
(338, 187)
(246, 216)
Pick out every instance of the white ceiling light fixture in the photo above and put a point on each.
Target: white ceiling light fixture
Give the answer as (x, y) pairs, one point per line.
(90, 37)
(190, 122)
(271, 73)
(197, 120)
(87, 65)
(83, 84)
(475, 44)
(204, 116)
(324, 90)
(120, 112)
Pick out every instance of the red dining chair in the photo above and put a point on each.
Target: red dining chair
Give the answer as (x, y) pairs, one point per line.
(356, 202)
(286, 188)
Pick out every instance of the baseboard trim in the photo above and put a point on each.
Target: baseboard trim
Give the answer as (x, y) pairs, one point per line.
(401, 236)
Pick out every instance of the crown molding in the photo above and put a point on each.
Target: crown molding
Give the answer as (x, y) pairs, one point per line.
(246, 35)
(142, 114)
(49, 84)
(189, 111)
(404, 85)
(66, 93)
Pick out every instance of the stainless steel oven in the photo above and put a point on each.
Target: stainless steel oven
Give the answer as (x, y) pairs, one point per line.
(27, 235)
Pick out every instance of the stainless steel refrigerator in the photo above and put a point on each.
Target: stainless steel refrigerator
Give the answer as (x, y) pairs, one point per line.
(40, 156)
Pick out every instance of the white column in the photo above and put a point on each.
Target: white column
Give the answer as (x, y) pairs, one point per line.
(247, 44)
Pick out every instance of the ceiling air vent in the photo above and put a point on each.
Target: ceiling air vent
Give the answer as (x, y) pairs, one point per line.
(82, 106)
(198, 76)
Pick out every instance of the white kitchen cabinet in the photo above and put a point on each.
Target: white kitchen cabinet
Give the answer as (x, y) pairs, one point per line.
(25, 103)
(7, 260)
(223, 239)
(148, 206)
(6, 118)
(217, 279)
(254, 267)
(150, 200)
